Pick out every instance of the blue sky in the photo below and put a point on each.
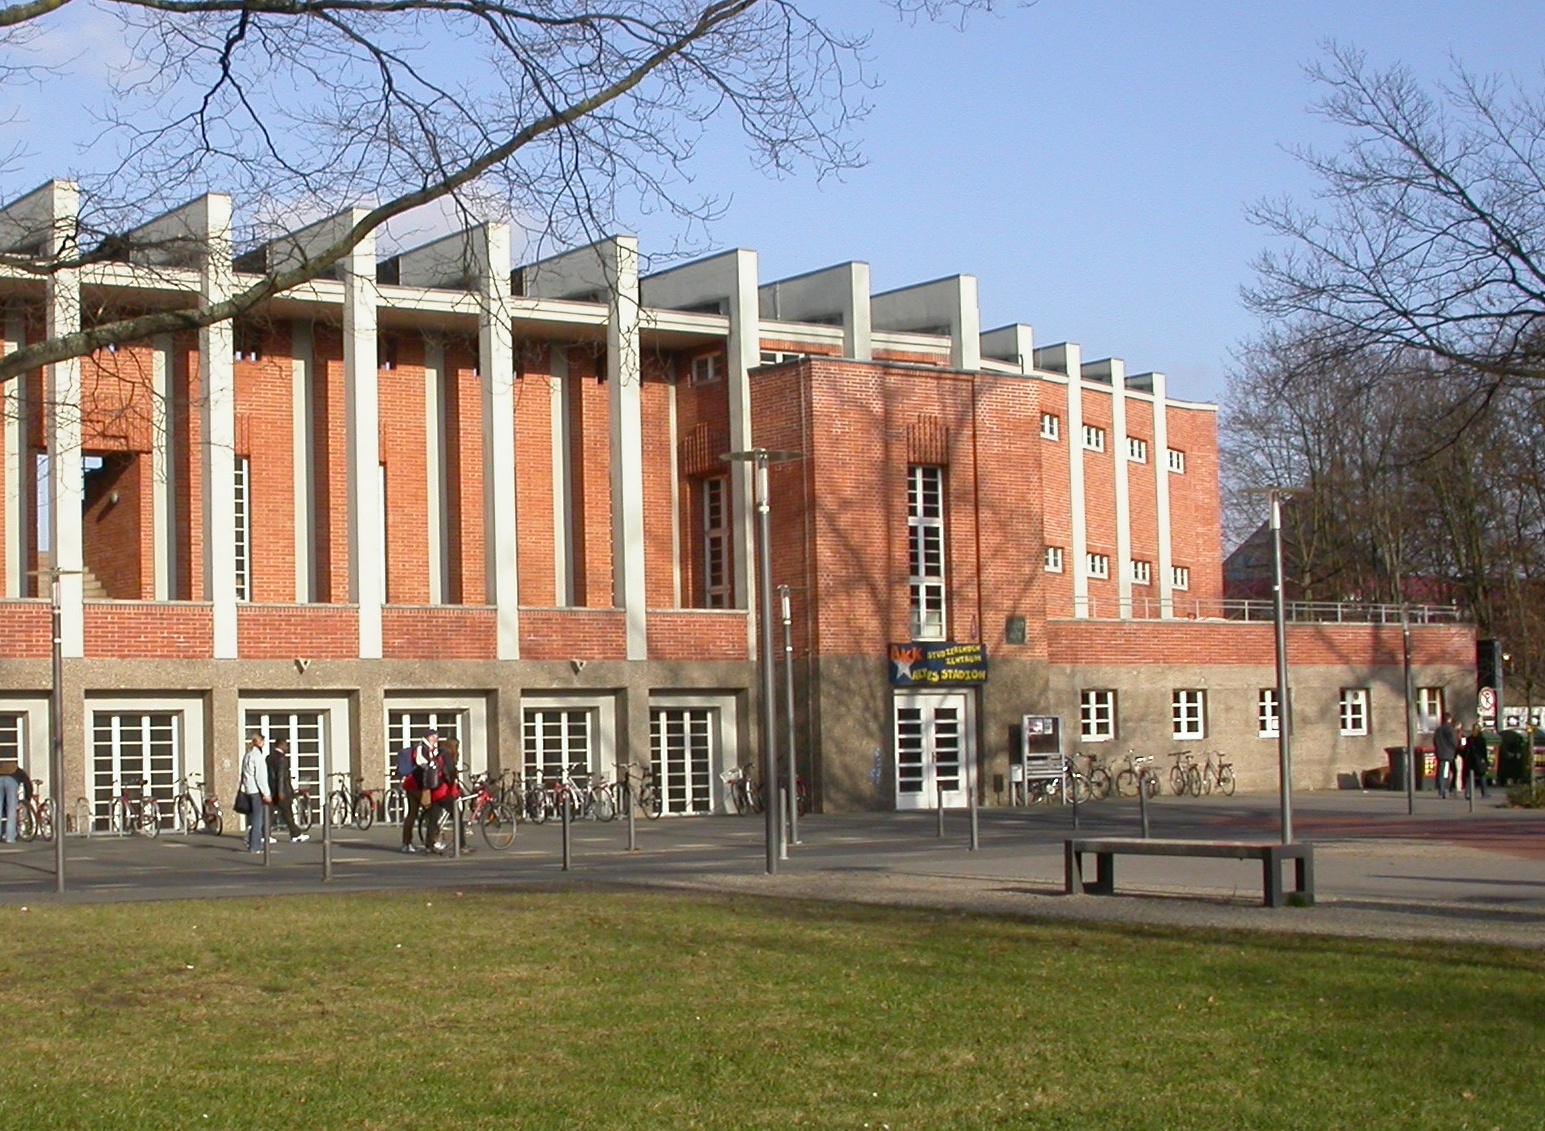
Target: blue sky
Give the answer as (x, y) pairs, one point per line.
(1091, 163)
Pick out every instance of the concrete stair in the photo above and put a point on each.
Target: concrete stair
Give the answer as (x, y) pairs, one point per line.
(91, 586)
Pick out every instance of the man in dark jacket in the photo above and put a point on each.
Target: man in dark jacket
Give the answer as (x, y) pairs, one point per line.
(280, 789)
(1445, 745)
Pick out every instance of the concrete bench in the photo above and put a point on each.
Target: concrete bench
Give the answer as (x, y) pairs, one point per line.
(1271, 856)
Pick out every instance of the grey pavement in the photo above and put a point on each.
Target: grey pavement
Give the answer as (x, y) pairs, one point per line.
(1443, 873)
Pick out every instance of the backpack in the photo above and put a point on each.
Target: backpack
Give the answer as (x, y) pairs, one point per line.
(405, 761)
(429, 773)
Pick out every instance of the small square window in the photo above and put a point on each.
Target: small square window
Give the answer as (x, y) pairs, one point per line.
(1097, 716)
(1180, 577)
(1053, 559)
(1429, 707)
(1142, 573)
(1094, 438)
(705, 370)
(1098, 565)
(1188, 714)
(1137, 450)
(1267, 717)
(1051, 426)
(1177, 461)
(1354, 711)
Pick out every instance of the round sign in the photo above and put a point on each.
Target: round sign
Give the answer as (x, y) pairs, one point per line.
(1487, 703)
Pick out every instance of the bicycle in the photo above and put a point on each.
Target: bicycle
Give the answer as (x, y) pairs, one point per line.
(494, 817)
(196, 806)
(1217, 774)
(1136, 775)
(35, 816)
(357, 805)
(1094, 784)
(139, 813)
(303, 809)
(745, 795)
(1180, 773)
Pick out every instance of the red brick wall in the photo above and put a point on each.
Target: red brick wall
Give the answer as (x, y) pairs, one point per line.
(149, 631)
(404, 440)
(659, 468)
(283, 632)
(329, 445)
(1100, 496)
(590, 463)
(439, 633)
(572, 634)
(116, 535)
(1143, 500)
(702, 436)
(1196, 518)
(1076, 642)
(1056, 515)
(28, 630)
(265, 434)
(468, 583)
(697, 635)
(536, 527)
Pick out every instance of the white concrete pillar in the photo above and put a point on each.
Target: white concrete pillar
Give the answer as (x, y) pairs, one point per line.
(1014, 344)
(840, 292)
(62, 394)
(1161, 473)
(625, 378)
(1115, 371)
(922, 308)
(559, 390)
(496, 362)
(217, 380)
(436, 493)
(362, 393)
(1065, 358)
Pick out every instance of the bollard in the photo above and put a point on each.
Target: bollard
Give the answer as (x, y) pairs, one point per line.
(1142, 801)
(268, 827)
(627, 800)
(1470, 786)
(563, 816)
(1072, 793)
(938, 792)
(783, 825)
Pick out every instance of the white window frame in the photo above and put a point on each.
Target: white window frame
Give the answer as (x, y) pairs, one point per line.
(1142, 572)
(1177, 460)
(1188, 713)
(1051, 426)
(1097, 715)
(1430, 707)
(603, 727)
(1097, 565)
(717, 579)
(1137, 450)
(1353, 712)
(1268, 719)
(1053, 559)
(464, 717)
(1094, 438)
(926, 551)
(706, 369)
(1180, 577)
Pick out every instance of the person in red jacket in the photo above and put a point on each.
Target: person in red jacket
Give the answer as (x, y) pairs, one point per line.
(443, 795)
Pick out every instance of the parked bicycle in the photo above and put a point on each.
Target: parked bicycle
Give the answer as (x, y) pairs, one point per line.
(483, 810)
(197, 807)
(1217, 774)
(1182, 773)
(303, 809)
(356, 804)
(1134, 774)
(745, 794)
(1095, 777)
(646, 794)
(135, 812)
(35, 815)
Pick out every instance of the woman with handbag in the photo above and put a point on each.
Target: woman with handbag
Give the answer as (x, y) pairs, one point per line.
(252, 793)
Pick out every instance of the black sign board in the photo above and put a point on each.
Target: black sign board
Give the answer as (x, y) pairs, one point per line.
(937, 665)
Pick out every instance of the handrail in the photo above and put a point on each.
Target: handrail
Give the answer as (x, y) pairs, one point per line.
(1256, 611)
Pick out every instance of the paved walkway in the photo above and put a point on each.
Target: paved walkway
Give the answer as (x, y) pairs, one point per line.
(1443, 872)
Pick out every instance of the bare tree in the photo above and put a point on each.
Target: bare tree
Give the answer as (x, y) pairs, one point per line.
(1429, 231)
(545, 114)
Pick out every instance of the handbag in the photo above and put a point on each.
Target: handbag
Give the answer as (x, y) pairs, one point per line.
(425, 799)
(244, 803)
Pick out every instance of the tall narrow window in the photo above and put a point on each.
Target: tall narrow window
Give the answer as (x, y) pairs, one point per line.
(1429, 707)
(1180, 577)
(716, 543)
(1142, 572)
(1051, 426)
(705, 369)
(1267, 717)
(1097, 565)
(1094, 438)
(925, 531)
(1137, 450)
(243, 529)
(1177, 461)
(1053, 559)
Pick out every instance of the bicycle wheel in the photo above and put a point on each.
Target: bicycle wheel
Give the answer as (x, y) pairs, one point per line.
(498, 821)
(396, 805)
(1226, 780)
(738, 799)
(1081, 791)
(1194, 781)
(300, 809)
(46, 819)
(364, 812)
(82, 817)
(214, 820)
(536, 805)
(187, 814)
(605, 805)
(1126, 783)
(338, 809)
(1177, 779)
(1099, 783)
(119, 819)
(653, 801)
(26, 822)
(149, 818)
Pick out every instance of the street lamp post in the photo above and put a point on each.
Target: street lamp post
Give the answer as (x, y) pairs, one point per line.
(788, 694)
(1405, 643)
(56, 734)
(1279, 610)
(759, 458)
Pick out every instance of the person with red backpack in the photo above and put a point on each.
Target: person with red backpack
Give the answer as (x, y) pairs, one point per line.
(444, 792)
(410, 761)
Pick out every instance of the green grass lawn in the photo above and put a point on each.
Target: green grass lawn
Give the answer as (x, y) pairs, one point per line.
(636, 1010)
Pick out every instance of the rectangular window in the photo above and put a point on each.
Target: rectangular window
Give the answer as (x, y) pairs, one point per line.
(1429, 707)
(1354, 711)
(1177, 461)
(12, 733)
(403, 728)
(1142, 573)
(135, 754)
(305, 731)
(243, 529)
(681, 754)
(1188, 714)
(1180, 577)
(1053, 559)
(556, 740)
(1097, 716)
(1137, 450)
(705, 370)
(1094, 438)
(716, 543)
(1098, 565)
(925, 533)
(1267, 717)
(1051, 426)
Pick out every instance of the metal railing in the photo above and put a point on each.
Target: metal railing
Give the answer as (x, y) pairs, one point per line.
(1298, 612)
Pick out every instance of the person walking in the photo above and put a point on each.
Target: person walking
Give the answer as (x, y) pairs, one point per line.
(254, 783)
(413, 756)
(10, 790)
(1477, 759)
(280, 788)
(1445, 745)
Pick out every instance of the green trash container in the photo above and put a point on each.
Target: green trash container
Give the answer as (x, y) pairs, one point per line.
(1397, 766)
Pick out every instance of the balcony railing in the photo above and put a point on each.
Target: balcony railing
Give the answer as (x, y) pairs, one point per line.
(1298, 612)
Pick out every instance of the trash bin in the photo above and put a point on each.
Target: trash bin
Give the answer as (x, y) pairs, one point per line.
(1397, 766)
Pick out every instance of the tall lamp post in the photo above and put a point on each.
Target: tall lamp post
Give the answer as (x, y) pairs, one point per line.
(759, 458)
(1279, 616)
(56, 716)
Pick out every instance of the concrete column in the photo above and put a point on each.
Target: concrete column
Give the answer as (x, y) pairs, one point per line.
(1014, 344)
(1115, 371)
(496, 362)
(925, 307)
(840, 292)
(1065, 358)
(625, 380)
(563, 476)
(1161, 473)
(20, 469)
(217, 381)
(361, 377)
(62, 392)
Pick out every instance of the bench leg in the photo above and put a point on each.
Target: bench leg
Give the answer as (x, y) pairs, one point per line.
(1303, 872)
(1104, 874)
(1273, 879)
(1072, 871)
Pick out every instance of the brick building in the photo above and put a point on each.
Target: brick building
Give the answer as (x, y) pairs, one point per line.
(437, 491)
